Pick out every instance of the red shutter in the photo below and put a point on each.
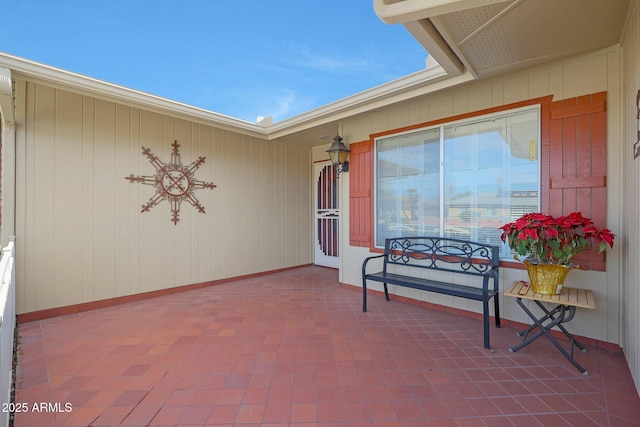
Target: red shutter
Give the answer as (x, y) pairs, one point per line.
(574, 161)
(360, 187)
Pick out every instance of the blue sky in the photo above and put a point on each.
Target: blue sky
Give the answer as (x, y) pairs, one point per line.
(241, 58)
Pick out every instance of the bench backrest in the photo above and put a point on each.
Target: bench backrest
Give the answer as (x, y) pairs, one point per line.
(443, 254)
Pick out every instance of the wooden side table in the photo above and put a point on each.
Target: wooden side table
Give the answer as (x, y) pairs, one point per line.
(564, 311)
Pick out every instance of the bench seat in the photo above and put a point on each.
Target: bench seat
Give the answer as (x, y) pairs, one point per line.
(453, 289)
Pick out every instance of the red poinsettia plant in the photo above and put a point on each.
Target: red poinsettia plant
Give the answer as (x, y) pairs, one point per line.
(543, 239)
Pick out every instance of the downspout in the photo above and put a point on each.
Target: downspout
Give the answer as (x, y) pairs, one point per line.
(8, 153)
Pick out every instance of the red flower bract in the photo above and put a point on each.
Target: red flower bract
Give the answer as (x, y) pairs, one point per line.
(543, 239)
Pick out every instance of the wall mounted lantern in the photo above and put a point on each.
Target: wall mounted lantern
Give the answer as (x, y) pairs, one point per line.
(339, 155)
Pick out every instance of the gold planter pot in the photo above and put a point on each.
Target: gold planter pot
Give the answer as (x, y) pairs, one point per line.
(546, 279)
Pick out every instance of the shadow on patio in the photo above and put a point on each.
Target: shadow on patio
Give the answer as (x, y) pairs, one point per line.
(294, 349)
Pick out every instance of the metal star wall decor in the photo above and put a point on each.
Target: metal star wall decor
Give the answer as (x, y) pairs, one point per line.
(173, 182)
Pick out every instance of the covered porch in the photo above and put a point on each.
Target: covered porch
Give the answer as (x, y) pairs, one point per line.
(294, 348)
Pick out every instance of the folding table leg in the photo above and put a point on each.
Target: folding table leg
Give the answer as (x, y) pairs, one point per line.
(548, 315)
(546, 330)
(572, 313)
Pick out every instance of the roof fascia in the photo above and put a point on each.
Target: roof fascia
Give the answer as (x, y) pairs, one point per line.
(423, 82)
(432, 79)
(37, 72)
(430, 38)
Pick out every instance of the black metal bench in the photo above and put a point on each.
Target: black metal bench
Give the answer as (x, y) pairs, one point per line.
(406, 255)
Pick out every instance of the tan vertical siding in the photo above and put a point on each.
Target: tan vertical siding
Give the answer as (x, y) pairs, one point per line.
(122, 225)
(87, 210)
(66, 166)
(571, 77)
(42, 196)
(82, 235)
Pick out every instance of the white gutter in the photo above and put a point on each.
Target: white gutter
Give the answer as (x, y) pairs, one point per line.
(47, 74)
(429, 80)
(434, 78)
(423, 82)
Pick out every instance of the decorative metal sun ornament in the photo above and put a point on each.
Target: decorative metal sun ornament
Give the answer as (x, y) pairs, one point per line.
(173, 182)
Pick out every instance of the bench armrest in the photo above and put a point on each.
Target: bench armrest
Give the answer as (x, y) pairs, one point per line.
(492, 272)
(366, 261)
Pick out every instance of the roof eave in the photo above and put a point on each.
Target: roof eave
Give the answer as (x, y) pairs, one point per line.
(426, 81)
(433, 78)
(60, 78)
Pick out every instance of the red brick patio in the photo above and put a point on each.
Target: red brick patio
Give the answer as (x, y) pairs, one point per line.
(294, 349)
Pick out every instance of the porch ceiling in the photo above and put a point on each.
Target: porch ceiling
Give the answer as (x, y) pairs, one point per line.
(495, 36)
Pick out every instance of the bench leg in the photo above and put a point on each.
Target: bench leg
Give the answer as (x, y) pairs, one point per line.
(364, 295)
(496, 305)
(485, 321)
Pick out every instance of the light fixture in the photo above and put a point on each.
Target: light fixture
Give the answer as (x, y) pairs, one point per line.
(339, 155)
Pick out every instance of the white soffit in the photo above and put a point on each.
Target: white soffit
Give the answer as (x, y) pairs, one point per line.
(416, 16)
(491, 37)
(501, 37)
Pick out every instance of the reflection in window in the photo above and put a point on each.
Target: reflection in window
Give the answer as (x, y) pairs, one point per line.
(462, 180)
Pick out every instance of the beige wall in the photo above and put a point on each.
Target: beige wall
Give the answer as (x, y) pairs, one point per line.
(630, 211)
(581, 75)
(79, 230)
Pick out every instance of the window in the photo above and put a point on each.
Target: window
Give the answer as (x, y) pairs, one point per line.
(572, 131)
(460, 180)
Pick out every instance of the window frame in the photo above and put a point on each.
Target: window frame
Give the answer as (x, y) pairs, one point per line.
(441, 126)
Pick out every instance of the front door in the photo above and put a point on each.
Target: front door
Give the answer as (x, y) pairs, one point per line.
(327, 215)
